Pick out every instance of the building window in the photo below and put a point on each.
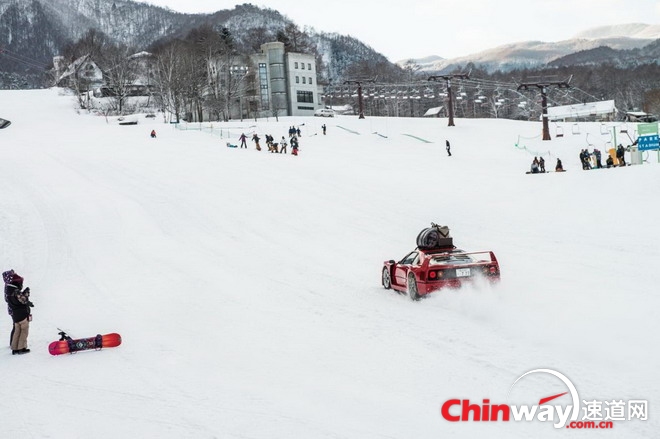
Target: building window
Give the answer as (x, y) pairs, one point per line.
(263, 86)
(310, 79)
(305, 96)
(296, 64)
(297, 79)
(302, 65)
(309, 66)
(304, 80)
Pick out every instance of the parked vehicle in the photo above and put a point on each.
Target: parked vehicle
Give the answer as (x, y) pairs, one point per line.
(324, 112)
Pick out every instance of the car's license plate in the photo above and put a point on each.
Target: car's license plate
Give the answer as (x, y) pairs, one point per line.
(462, 272)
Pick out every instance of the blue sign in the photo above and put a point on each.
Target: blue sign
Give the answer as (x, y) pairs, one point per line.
(644, 143)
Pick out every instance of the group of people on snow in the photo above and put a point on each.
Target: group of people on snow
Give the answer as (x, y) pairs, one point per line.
(538, 166)
(588, 160)
(593, 160)
(19, 308)
(274, 147)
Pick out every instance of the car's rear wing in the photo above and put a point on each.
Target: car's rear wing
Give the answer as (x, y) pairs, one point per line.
(486, 257)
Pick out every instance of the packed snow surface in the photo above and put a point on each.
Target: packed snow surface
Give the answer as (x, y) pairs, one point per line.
(246, 285)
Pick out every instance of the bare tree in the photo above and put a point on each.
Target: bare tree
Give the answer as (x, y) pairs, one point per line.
(170, 78)
(93, 43)
(120, 74)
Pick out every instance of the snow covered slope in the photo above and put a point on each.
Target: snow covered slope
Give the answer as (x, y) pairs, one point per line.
(246, 285)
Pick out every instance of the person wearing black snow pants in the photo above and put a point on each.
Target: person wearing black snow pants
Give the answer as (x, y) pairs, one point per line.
(448, 148)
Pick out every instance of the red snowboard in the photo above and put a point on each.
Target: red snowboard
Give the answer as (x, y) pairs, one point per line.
(70, 345)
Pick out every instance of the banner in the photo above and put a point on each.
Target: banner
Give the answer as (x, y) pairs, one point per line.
(648, 136)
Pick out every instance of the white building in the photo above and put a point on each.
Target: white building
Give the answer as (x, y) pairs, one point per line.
(286, 82)
(83, 74)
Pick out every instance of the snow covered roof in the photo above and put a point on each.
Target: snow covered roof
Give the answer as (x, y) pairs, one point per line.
(586, 109)
(142, 54)
(342, 109)
(92, 71)
(433, 111)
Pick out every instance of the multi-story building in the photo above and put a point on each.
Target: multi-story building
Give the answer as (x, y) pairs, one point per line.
(286, 82)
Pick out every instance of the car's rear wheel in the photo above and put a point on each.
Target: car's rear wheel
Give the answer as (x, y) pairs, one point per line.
(413, 292)
(387, 279)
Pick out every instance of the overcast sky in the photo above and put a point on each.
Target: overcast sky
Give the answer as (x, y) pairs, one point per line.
(401, 29)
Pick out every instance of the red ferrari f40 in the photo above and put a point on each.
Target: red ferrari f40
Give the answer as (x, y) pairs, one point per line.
(424, 271)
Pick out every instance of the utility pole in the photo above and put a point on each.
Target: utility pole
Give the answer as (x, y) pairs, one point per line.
(359, 90)
(543, 86)
(447, 79)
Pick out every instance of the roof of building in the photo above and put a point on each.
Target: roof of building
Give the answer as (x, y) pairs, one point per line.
(433, 111)
(586, 109)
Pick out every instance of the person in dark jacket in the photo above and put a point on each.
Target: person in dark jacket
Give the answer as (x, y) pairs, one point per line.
(620, 155)
(256, 139)
(559, 167)
(448, 148)
(19, 303)
(294, 145)
(599, 165)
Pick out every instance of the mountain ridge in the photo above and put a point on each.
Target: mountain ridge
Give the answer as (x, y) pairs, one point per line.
(531, 54)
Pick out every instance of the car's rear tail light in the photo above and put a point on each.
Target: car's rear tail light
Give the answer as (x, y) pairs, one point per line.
(435, 275)
(490, 270)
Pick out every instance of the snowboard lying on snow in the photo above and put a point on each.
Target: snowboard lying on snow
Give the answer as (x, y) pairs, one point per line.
(4, 123)
(68, 345)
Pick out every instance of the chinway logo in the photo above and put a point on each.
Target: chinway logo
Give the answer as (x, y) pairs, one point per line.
(596, 414)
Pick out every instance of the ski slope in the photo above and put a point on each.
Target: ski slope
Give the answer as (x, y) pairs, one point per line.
(246, 285)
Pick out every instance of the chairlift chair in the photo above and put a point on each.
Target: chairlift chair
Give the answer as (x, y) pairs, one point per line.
(576, 128)
(559, 131)
(604, 129)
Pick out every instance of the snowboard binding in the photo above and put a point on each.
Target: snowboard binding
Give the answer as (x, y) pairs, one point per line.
(81, 344)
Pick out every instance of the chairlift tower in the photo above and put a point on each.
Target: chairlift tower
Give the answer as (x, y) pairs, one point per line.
(359, 90)
(447, 79)
(543, 86)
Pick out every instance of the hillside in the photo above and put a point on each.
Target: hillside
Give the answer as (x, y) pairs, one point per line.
(33, 31)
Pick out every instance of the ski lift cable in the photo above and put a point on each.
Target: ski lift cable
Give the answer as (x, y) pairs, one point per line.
(590, 95)
(24, 58)
(41, 67)
(16, 57)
